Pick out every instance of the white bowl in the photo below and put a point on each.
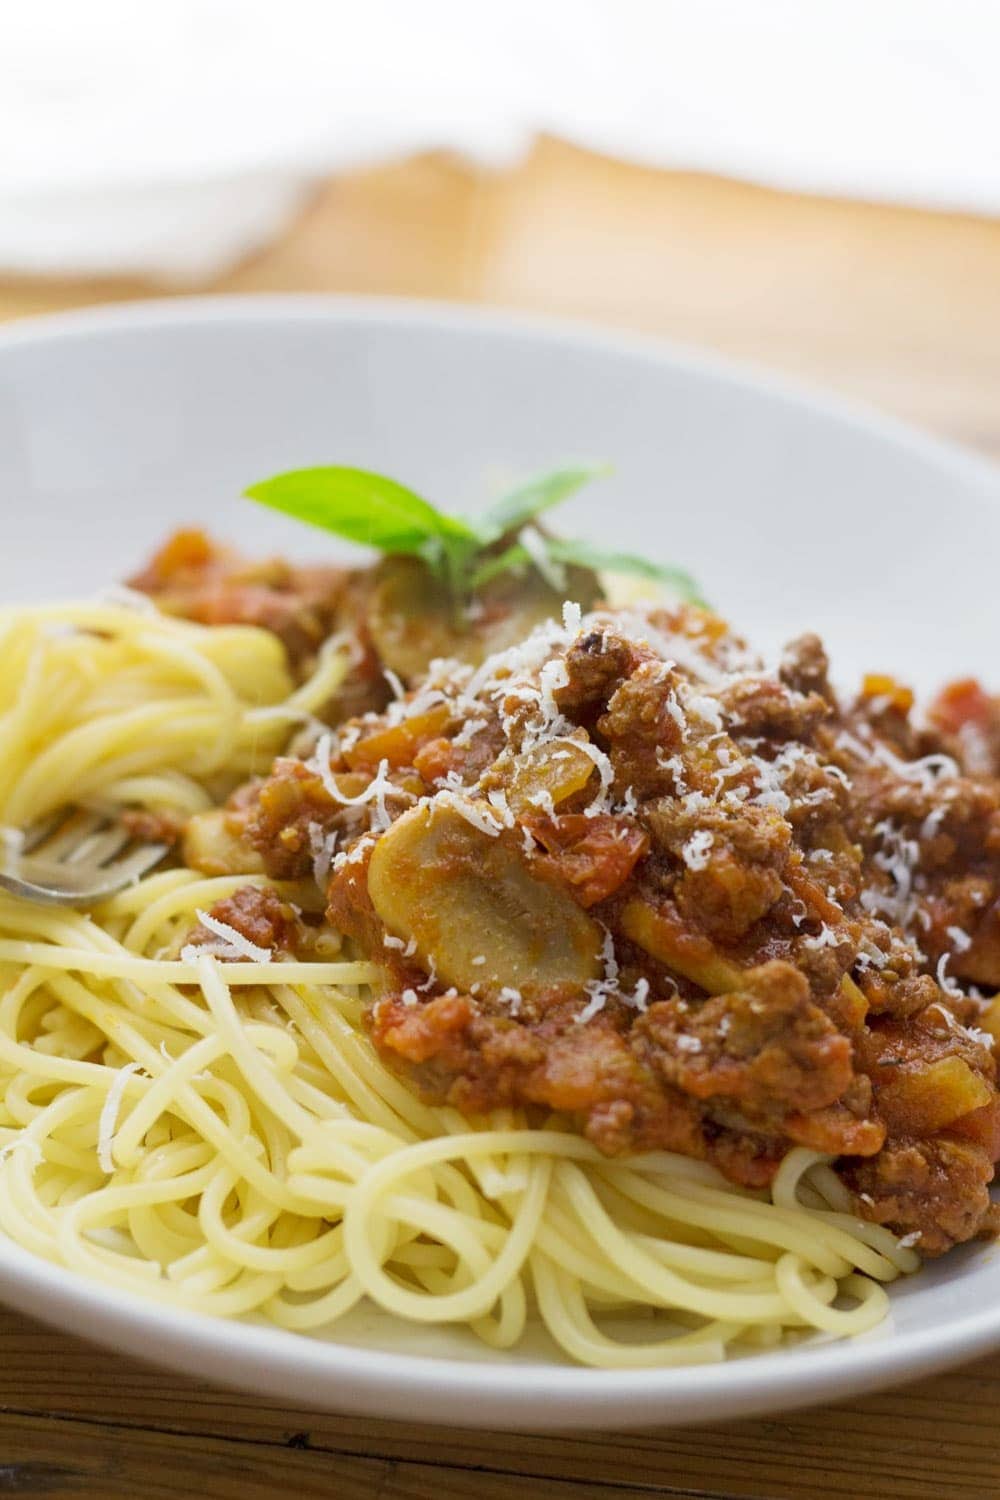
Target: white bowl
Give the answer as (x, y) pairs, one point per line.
(795, 511)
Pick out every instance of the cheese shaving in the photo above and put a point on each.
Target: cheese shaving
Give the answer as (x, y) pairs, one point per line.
(108, 1119)
(322, 847)
(825, 938)
(240, 946)
(945, 980)
(376, 791)
(512, 997)
(478, 814)
(398, 690)
(571, 617)
(695, 852)
(600, 990)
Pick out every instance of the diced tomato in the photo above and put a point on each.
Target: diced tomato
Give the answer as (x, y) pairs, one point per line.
(594, 856)
(421, 1032)
(436, 758)
(962, 702)
(185, 551)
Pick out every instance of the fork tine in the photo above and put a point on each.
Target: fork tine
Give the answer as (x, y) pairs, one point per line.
(74, 857)
(67, 839)
(103, 844)
(133, 866)
(76, 883)
(36, 833)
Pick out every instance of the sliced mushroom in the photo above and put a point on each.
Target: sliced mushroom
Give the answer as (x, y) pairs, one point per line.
(210, 845)
(412, 620)
(477, 915)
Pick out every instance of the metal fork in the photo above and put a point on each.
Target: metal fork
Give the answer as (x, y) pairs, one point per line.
(74, 857)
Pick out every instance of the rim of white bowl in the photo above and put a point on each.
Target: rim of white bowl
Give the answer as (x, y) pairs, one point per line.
(454, 1391)
(335, 307)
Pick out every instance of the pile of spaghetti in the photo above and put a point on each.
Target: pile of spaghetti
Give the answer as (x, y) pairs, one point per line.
(209, 1124)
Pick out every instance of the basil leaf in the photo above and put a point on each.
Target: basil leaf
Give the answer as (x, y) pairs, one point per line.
(362, 507)
(532, 498)
(586, 556)
(507, 561)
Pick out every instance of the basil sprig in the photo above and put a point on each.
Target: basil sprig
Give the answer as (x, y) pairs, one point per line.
(378, 512)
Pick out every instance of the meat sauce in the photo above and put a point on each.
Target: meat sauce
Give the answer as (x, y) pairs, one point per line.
(621, 872)
(194, 577)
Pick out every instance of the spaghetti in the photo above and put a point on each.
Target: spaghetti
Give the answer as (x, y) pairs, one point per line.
(219, 1133)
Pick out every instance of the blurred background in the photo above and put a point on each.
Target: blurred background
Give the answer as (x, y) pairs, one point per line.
(813, 185)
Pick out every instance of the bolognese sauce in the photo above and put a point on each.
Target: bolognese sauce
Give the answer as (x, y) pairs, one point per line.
(620, 871)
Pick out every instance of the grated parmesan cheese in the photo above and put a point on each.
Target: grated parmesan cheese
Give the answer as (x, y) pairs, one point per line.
(572, 617)
(898, 857)
(605, 771)
(945, 980)
(376, 791)
(322, 846)
(932, 823)
(512, 997)
(825, 938)
(701, 706)
(600, 990)
(469, 730)
(639, 997)
(237, 945)
(695, 852)
(675, 767)
(431, 979)
(108, 1118)
(673, 708)
(871, 956)
(478, 814)
(398, 690)
(685, 1043)
(543, 800)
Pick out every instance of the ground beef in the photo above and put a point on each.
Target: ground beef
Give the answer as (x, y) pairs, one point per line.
(289, 815)
(764, 706)
(152, 827)
(936, 1189)
(805, 667)
(642, 726)
(596, 665)
(770, 1048)
(258, 914)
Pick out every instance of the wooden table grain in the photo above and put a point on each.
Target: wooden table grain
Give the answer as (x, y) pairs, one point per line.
(893, 306)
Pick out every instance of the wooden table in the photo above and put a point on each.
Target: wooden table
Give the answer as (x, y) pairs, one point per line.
(893, 306)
